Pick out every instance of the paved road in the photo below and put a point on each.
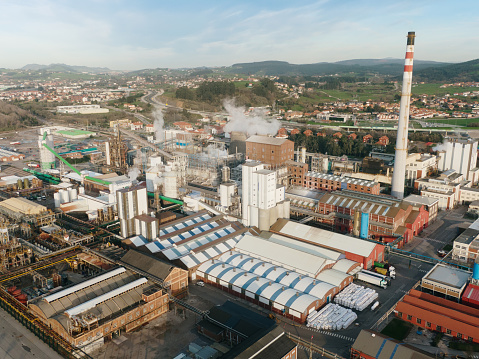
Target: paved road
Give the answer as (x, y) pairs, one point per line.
(17, 342)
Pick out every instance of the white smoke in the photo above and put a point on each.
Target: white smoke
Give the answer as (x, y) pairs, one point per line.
(255, 124)
(212, 152)
(440, 147)
(133, 173)
(158, 124)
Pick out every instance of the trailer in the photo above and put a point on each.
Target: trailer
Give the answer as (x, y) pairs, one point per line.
(379, 275)
(367, 277)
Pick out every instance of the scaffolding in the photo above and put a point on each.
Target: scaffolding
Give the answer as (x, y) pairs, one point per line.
(117, 150)
(206, 170)
(13, 254)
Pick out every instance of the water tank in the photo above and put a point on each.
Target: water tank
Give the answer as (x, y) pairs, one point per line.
(475, 269)
(364, 226)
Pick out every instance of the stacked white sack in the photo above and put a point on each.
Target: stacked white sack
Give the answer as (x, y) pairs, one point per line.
(331, 316)
(356, 297)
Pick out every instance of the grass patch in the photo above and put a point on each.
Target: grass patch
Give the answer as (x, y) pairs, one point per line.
(437, 339)
(464, 346)
(434, 89)
(397, 329)
(447, 247)
(454, 121)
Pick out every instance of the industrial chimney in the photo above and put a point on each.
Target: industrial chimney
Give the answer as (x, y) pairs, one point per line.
(401, 141)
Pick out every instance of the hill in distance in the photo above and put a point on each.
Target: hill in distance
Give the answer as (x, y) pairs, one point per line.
(65, 68)
(464, 71)
(392, 67)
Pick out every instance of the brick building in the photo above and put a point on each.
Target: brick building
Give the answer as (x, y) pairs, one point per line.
(389, 218)
(441, 315)
(269, 150)
(300, 176)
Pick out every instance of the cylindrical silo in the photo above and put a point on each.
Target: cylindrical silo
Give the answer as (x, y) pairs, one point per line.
(56, 199)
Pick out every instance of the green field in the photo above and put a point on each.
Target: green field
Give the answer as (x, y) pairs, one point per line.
(397, 329)
(434, 89)
(75, 132)
(454, 121)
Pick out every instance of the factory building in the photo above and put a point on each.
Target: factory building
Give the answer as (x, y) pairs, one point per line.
(175, 279)
(374, 345)
(460, 155)
(189, 241)
(131, 202)
(276, 276)
(15, 206)
(329, 183)
(420, 165)
(431, 205)
(353, 249)
(269, 150)
(446, 188)
(441, 315)
(388, 218)
(263, 200)
(466, 245)
(10, 156)
(446, 281)
(114, 302)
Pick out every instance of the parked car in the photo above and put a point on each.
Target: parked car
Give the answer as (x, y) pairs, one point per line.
(200, 283)
(441, 253)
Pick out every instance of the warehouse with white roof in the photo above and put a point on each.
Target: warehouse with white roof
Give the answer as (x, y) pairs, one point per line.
(286, 276)
(355, 249)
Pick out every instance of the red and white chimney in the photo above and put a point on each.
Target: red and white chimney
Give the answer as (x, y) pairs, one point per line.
(399, 174)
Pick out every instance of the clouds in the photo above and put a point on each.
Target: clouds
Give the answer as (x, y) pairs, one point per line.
(130, 35)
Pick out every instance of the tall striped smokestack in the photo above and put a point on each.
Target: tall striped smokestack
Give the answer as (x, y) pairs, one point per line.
(401, 141)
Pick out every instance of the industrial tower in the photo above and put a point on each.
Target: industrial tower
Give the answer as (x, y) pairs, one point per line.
(403, 123)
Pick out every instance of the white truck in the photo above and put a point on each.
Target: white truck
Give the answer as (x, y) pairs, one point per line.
(379, 275)
(368, 277)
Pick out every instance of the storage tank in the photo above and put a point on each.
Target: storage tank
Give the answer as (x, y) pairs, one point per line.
(475, 270)
(56, 199)
(19, 184)
(81, 190)
(73, 194)
(26, 183)
(364, 226)
(64, 198)
(356, 223)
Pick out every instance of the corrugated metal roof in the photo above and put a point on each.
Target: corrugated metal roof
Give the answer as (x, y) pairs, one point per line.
(275, 253)
(471, 294)
(327, 239)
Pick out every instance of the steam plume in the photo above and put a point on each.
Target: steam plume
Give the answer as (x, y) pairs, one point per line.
(158, 124)
(133, 173)
(255, 124)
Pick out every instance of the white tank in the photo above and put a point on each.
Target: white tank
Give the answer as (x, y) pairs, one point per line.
(73, 194)
(81, 190)
(64, 198)
(56, 199)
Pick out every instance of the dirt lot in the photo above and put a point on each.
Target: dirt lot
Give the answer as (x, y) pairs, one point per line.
(164, 337)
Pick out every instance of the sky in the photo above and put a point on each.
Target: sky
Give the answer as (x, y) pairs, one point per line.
(137, 34)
